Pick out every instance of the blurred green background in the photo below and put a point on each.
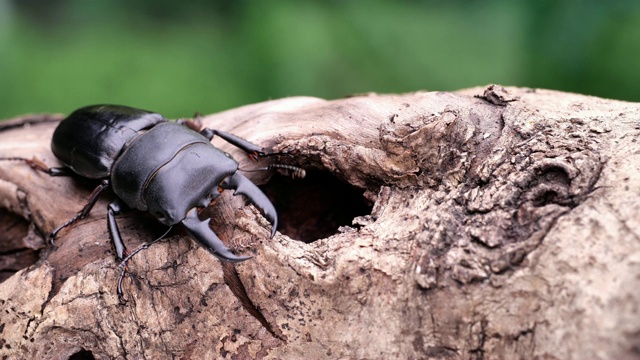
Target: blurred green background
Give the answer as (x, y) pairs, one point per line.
(181, 57)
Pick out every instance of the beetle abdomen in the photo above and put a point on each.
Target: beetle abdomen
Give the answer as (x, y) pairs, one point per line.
(89, 140)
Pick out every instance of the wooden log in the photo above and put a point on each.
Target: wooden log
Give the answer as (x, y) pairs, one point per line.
(482, 224)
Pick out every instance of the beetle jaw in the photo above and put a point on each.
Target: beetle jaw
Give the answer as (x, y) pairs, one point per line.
(202, 233)
(243, 186)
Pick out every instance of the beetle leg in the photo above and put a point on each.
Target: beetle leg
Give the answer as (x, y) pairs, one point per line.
(294, 171)
(123, 264)
(37, 164)
(200, 231)
(194, 124)
(114, 209)
(93, 198)
(244, 186)
(248, 147)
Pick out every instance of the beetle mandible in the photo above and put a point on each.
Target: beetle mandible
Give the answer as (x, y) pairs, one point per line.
(168, 169)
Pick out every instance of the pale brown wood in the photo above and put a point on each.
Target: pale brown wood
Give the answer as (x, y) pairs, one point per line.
(500, 227)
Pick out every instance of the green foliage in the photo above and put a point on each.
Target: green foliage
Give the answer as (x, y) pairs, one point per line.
(178, 58)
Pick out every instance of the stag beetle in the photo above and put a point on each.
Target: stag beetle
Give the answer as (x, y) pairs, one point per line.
(169, 169)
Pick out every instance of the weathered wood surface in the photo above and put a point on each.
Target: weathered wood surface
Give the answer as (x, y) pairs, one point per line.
(499, 230)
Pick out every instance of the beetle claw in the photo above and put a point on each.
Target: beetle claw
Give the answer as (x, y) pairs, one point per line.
(201, 232)
(244, 186)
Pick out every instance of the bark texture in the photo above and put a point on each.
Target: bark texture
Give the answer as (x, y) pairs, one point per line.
(505, 226)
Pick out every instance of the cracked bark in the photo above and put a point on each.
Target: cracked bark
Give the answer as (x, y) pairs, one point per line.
(504, 224)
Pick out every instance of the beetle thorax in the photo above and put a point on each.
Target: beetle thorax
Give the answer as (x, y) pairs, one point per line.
(169, 170)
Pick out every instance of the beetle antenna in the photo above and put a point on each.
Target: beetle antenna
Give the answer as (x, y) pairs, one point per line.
(123, 264)
(294, 171)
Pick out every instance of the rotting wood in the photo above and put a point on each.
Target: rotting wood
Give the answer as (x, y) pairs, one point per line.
(506, 226)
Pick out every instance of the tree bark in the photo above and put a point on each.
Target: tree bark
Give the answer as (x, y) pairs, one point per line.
(483, 224)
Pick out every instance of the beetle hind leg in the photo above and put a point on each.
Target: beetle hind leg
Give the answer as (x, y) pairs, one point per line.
(38, 165)
(93, 198)
(201, 232)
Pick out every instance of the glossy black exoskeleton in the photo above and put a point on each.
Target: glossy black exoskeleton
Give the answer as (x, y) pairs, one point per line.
(169, 169)
(151, 164)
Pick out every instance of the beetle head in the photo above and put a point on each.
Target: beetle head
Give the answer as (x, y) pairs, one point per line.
(202, 232)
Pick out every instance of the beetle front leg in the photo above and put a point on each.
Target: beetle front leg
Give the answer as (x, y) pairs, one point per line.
(201, 232)
(123, 264)
(250, 148)
(114, 209)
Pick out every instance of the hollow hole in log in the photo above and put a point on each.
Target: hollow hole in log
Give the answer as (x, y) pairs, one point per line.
(82, 355)
(15, 253)
(545, 198)
(315, 207)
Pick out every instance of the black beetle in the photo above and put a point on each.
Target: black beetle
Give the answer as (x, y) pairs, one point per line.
(169, 169)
